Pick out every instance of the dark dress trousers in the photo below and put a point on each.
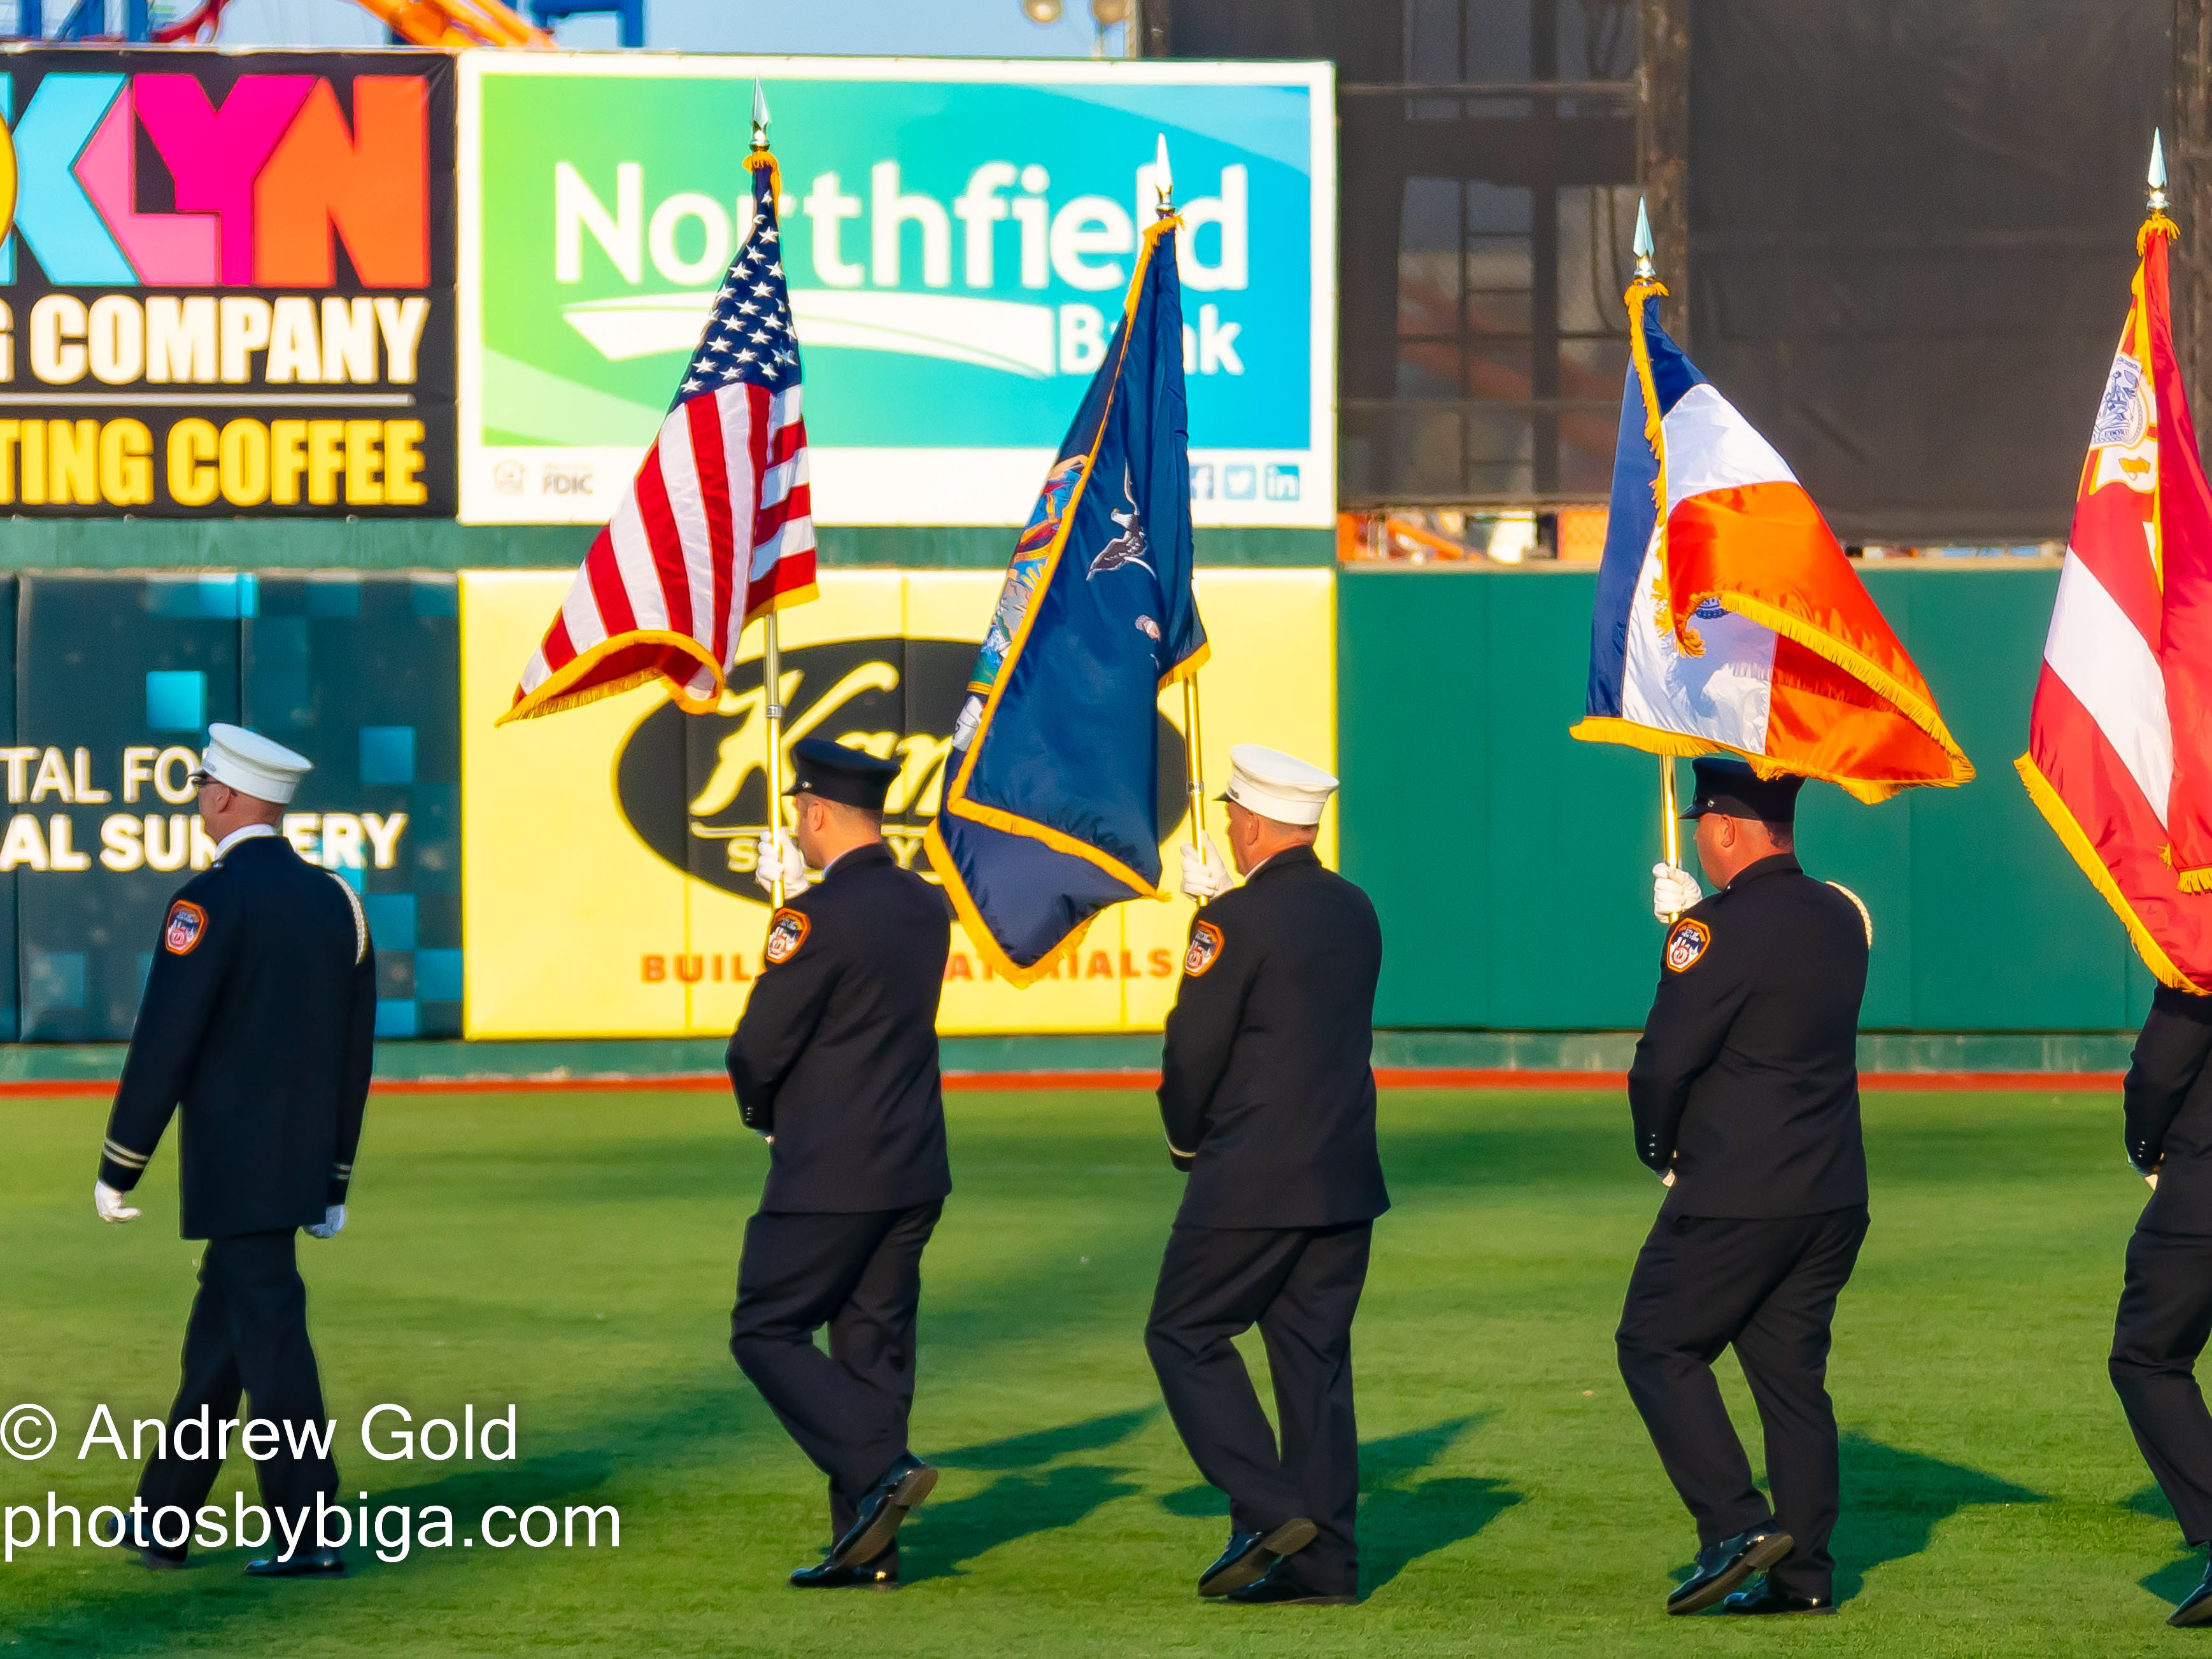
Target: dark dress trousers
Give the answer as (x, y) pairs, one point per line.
(1746, 1085)
(835, 1060)
(258, 1022)
(1268, 1102)
(2165, 1303)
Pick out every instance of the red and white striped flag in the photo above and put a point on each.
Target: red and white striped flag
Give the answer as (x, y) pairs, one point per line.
(718, 527)
(2120, 746)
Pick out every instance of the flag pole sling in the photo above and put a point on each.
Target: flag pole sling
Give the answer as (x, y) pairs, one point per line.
(772, 688)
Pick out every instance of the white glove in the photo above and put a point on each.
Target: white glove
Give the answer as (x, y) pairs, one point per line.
(1204, 876)
(774, 853)
(109, 1203)
(332, 1224)
(1673, 890)
(1667, 1178)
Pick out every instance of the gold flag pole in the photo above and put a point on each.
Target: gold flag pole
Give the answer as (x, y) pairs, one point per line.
(1670, 827)
(771, 645)
(1163, 183)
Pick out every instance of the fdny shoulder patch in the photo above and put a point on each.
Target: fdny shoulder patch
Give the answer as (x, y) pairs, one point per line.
(1205, 942)
(787, 932)
(185, 928)
(1686, 944)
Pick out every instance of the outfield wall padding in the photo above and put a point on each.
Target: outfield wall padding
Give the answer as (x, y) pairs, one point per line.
(1511, 864)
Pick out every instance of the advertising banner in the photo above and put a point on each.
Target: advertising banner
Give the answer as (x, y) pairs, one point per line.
(114, 679)
(607, 879)
(956, 238)
(225, 282)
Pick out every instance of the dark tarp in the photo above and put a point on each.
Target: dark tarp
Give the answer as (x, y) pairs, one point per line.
(1912, 227)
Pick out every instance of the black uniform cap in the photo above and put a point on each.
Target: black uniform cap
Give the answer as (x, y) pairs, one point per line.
(1730, 788)
(853, 777)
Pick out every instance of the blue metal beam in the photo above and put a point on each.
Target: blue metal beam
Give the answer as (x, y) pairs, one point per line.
(630, 13)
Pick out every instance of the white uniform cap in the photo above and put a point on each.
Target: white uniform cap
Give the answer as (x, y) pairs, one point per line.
(1277, 785)
(251, 764)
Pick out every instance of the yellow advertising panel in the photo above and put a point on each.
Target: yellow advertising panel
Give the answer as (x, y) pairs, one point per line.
(607, 851)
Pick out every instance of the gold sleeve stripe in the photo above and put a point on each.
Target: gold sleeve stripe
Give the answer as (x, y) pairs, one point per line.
(360, 919)
(1865, 915)
(1179, 1151)
(124, 1155)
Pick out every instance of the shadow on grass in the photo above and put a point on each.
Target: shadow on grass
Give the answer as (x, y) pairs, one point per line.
(2179, 1576)
(1895, 1499)
(1027, 1451)
(1035, 1493)
(1400, 1519)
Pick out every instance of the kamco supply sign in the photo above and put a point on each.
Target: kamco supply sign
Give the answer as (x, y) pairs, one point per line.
(225, 282)
(957, 239)
(607, 879)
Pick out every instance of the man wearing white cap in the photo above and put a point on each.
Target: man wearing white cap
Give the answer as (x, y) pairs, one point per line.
(1268, 1102)
(258, 1020)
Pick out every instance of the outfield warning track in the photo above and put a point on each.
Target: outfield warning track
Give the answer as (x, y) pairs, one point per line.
(1127, 1078)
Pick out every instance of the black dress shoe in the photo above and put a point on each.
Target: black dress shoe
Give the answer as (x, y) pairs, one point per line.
(309, 1563)
(1250, 1555)
(1764, 1598)
(1723, 1567)
(145, 1552)
(882, 1573)
(1282, 1588)
(896, 1494)
(2195, 1608)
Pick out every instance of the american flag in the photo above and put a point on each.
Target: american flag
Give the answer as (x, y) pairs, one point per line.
(717, 526)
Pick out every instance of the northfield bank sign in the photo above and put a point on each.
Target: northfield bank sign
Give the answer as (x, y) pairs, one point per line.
(958, 241)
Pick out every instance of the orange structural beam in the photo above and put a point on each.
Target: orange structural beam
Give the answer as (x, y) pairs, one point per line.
(456, 23)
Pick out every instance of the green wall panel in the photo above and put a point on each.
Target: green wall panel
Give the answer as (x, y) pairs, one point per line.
(1414, 750)
(1574, 826)
(1511, 864)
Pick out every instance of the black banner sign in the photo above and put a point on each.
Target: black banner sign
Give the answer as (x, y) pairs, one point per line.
(226, 283)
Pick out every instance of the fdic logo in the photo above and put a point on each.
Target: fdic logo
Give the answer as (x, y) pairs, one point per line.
(511, 479)
(694, 787)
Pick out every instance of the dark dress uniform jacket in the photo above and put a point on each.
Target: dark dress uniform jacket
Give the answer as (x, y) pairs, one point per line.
(2169, 1111)
(837, 1055)
(1745, 1079)
(259, 1018)
(1265, 1090)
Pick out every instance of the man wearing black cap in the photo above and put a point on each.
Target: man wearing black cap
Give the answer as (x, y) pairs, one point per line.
(1745, 1095)
(834, 1061)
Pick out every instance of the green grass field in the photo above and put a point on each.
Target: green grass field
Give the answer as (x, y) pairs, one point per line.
(573, 1255)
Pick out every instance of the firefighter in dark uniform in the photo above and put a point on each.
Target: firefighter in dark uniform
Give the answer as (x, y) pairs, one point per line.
(2166, 1306)
(834, 1061)
(1268, 1102)
(1744, 1094)
(258, 1022)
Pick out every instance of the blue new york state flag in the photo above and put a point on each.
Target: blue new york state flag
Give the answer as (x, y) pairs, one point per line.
(1053, 810)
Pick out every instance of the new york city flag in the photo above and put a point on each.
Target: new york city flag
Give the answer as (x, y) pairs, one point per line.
(2119, 752)
(1052, 811)
(1727, 619)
